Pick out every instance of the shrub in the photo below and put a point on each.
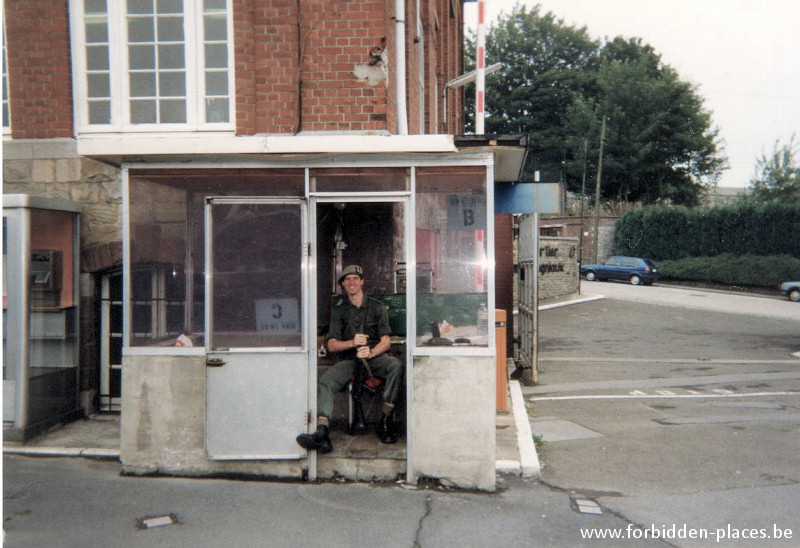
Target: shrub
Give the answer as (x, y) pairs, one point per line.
(733, 270)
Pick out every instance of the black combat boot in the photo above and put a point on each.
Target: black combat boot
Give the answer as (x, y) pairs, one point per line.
(386, 429)
(359, 426)
(318, 441)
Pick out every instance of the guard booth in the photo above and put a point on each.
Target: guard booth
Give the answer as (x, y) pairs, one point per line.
(230, 271)
(40, 314)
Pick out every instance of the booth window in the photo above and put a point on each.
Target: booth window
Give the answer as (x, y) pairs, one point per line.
(451, 249)
(167, 247)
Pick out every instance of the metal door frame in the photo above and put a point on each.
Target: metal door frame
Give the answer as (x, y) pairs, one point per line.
(304, 308)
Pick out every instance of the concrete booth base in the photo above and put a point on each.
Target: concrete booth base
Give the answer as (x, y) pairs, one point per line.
(450, 434)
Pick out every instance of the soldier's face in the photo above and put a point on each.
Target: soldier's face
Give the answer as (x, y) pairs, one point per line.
(353, 283)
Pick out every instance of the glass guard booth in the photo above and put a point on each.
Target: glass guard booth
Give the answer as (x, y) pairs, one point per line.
(40, 314)
(230, 277)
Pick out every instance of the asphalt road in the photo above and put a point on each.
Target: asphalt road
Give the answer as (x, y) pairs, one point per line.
(675, 408)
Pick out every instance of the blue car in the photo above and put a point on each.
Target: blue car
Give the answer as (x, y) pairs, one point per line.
(632, 269)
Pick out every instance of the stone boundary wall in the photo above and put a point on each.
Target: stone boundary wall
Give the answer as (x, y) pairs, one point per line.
(558, 267)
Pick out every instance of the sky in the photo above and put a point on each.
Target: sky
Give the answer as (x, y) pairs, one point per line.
(743, 56)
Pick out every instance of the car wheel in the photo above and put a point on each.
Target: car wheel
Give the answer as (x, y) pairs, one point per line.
(636, 279)
(794, 295)
(590, 276)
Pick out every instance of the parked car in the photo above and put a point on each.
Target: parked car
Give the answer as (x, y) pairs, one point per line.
(633, 269)
(791, 290)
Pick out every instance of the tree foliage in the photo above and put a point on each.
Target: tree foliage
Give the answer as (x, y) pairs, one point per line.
(558, 84)
(777, 177)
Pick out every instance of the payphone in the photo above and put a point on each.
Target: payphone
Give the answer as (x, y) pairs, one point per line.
(45, 272)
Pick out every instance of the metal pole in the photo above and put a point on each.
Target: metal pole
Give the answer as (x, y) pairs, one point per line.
(583, 199)
(597, 191)
(480, 62)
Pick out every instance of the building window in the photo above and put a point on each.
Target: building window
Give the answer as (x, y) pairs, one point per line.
(149, 65)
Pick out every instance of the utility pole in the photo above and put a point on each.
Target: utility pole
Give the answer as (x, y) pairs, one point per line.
(583, 199)
(597, 191)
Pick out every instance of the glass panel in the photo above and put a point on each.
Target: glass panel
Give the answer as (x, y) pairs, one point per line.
(166, 217)
(99, 112)
(97, 57)
(359, 180)
(216, 55)
(170, 6)
(140, 29)
(257, 256)
(171, 57)
(143, 84)
(99, 85)
(216, 27)
(210, 5)
(172, 112)
(217, 110)
(170, 29)
(451, 256)
(216, 83)
(143, 112)
(96, 30)
(172, 84)
(94, 6)
(142, 57)
(140, 6)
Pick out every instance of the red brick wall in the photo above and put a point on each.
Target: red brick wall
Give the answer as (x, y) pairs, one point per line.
(39, 74)
(294, 63)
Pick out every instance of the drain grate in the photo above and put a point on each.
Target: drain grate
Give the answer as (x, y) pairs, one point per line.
(150, 522)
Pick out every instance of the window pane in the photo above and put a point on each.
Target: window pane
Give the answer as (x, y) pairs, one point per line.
(172, 84)
(96, 30)
(216, 55)
(216, 27)
(170, 29)
(359, 179)
(216, 83)
(170, 6)
(170, 57)
(216, 110)
(97, 58)
(140, 6)
(451, 254)
(143, 112)
(257, 294)
(142, 57)
(99, 112)
(209, 5)
(99, 85)
(94, 6)
(143, 84)
(140, 29)
(172, 112)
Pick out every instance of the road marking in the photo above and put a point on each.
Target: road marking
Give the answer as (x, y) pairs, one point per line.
(638, 394)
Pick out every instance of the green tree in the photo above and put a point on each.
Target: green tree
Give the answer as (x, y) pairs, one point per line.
(547, 65)
(659, 145)
(777, 177)
(557, 85)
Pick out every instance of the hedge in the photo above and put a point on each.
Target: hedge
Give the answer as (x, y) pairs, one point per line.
(733, 270)
(677, 233)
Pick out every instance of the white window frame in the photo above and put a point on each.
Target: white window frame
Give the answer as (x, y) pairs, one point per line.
(6, 92)
(118, 58)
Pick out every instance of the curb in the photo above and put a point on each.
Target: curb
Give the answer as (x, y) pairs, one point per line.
(87, 452)
(528, 459)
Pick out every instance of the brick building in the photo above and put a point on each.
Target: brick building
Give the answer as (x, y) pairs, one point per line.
(314, 134)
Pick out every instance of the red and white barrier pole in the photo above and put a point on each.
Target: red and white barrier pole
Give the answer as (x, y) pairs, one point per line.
(480, 61)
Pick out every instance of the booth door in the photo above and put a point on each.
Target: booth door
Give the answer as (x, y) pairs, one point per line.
(256, 362)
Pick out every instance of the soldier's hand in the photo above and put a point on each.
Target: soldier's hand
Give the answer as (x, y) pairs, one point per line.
(363, 352)
(360, 339)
